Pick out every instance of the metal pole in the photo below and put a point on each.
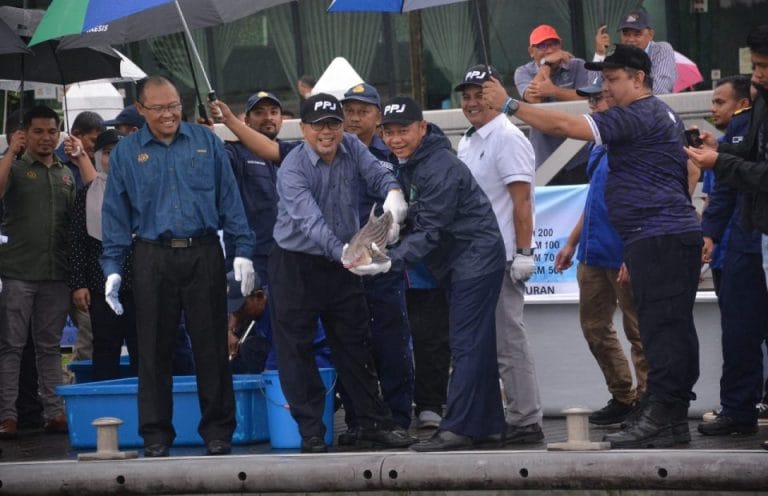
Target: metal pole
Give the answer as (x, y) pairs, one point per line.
(211, 93)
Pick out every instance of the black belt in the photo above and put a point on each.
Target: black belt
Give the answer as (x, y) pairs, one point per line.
(183, 242)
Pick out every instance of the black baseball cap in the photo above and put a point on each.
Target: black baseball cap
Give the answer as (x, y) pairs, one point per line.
(321, 106)
(108, 137)
(401, 110)
(623, 56)
(477, 75)
(636, 19)
(259, 96)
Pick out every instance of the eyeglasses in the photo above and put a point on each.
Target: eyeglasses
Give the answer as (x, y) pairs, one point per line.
(547, 44)
(331, 124)
(159, 109)
(594, 99)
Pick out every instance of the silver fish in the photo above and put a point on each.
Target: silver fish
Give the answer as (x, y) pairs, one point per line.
(360, 250)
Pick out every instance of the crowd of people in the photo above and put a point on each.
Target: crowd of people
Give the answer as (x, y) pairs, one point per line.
(118, 228)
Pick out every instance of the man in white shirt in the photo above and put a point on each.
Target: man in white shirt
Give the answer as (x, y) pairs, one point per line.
(502, 162)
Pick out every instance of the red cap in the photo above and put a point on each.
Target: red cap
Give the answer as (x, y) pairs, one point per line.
(543, 33)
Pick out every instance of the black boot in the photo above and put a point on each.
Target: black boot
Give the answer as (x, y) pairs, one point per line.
(653, 429)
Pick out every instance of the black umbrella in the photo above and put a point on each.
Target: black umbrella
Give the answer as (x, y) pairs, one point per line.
(101, 22)
(46, 63)
(10, 41)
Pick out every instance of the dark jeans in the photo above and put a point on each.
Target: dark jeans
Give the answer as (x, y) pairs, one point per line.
(109, 332)
(474, 399)
(428, 315)
(29, 408)
(391, 339)
(744, 321)
(664, 271)
(167, 281)
(304, 288)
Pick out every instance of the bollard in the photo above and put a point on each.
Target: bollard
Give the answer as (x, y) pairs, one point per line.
(106, 441)
(577, 427)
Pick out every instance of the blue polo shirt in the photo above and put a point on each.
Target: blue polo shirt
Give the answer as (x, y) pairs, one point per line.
(318, 205)
(647, 187)
(177, 190)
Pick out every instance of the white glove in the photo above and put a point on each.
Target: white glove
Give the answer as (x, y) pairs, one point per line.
(3, 239)
(1, 285)
(395, 203)
(111, 292)
(522, 268)
(394, 233)
(372, 268)
(244, 274)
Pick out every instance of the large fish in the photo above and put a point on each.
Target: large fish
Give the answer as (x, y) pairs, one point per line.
(361, 249)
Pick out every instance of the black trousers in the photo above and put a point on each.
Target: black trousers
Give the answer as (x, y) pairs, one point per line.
(664, 271)
(304, 288)
(167, 281)
(109, 332)
(428, 314)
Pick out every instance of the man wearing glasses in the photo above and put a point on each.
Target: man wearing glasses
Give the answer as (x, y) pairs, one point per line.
(319, 188)
(171, 188)
(552, 75)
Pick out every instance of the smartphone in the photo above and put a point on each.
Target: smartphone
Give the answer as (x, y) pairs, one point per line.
(693, 138)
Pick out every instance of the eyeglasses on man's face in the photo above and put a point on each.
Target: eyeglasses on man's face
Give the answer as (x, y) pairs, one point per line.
(332, 124)
(160, 109)
(547, 44)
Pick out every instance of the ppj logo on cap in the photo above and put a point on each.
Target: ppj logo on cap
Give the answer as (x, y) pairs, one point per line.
(401, 110)
(321, 106)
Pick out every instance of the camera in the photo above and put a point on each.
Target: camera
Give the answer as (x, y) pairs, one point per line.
(693, 138)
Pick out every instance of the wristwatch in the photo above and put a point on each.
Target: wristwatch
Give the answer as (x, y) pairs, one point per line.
(510, 106)
(525, 251)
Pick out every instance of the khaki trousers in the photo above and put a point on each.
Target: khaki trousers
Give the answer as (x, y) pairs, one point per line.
(599, 295)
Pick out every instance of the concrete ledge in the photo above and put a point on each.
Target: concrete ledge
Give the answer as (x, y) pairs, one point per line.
(395, 471)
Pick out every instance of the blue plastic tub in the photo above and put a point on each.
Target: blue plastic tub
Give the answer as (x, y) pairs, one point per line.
(118, 398)
(83, 369)
(283, 430)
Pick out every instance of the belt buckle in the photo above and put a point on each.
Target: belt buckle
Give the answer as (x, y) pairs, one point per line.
(181, 243)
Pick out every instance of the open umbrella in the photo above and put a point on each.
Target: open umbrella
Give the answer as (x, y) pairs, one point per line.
(404, 6)
(688, 73)
(111, 22)
(10, 42)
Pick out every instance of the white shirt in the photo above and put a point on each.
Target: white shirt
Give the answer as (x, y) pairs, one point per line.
(499, 154)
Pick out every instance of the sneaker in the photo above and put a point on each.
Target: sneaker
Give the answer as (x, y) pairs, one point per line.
(652, 429)
(8, 429)
(711, 415)
(524, 434)
(725, 426)
(429, 420)
(614, 412)
(762, 412)
(57, 425)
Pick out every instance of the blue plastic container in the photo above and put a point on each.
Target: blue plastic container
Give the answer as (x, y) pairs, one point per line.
(118, 398)
(283, 430)
(83, 369)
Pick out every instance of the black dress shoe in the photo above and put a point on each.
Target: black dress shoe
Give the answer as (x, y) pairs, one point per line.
(348, 438)
(525, 434)
(443, 440)
(219, 447)
(157, 450)
(724, 425)
(384, 438)
(313, 444)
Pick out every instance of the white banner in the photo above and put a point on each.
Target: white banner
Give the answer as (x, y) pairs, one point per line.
(558, 208)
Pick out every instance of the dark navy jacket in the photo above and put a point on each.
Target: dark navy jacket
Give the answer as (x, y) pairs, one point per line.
(450, 222)
(256, 179)
(725, 207)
